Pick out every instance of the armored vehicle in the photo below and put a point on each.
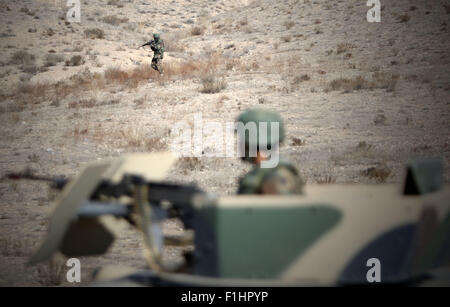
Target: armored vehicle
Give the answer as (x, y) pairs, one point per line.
(332, 234)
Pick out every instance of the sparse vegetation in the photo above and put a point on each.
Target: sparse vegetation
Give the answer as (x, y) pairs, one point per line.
(379, 81)
(30, 69)
(27, 11)
(326, 179)
(12, 247)
(195, 31)
(173, 46)
(299, 79)
(289, 24)
(116, 103)
(49, 32)
(318, 30)
(76, 60)
(243, 21)
(297, 141)
(189, 164)
(380, 119)
(84, 103)
(51, 273)
(114, 20)
(222, 99)
(447, 8)
(232, 64)
(378, 173)
(94, 33)
(88, 81)
(212, 84)
(53, 59)
(22, 58)
(131, 138)
(115, 3)
(403, 18)
(344, 47)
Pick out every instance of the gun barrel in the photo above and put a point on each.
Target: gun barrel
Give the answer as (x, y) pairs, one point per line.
(57, 182)
(93, 209)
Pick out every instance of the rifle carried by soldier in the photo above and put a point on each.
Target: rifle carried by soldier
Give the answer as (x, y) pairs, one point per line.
(150, 43)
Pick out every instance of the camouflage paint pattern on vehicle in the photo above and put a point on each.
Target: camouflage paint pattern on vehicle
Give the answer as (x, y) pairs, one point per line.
(324, 236)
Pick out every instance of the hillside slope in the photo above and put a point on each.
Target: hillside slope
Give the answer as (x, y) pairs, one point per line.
(359, 99)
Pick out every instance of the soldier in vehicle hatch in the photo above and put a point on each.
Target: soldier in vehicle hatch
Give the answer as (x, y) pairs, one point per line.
(283, 178)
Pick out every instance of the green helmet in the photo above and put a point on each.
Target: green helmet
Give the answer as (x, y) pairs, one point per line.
(259, 116)
(156, 36)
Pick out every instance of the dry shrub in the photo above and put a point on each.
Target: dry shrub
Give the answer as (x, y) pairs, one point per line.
(30, 69)
(189, 163)
(34, 90)
(52, 59)
(347, 85)
(301, 78)
(289, 24)
(156, 144)
(138, 75)
(11, 247)
(447, 8)
(27, 11)
(133, 138)
(173, 46)
(243, 21)
(363, 154)
(49, 32)
(222, 99)
(212, 84)
(384, 80)
(379, 119)
(94, 33)
(113, 20)
(232, 64)
(52, 273)
(379, 173)
(115, 74)
(76, 60)
(326, 179)
(22, 58)
(403, 18)
(114, 2)
(379, 81)
(297, 142)
(83, 103)
(195, 31)
(12, 108)
(344, 47)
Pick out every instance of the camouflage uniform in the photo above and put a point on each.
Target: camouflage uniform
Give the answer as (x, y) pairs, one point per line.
(282, 179)
(157, 46)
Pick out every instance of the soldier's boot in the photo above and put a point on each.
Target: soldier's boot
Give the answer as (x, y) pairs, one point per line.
(160, 68)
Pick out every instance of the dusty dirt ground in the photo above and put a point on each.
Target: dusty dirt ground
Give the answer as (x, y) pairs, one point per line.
(359, 99)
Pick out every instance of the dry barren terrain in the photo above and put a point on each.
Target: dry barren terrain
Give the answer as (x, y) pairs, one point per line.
(359, 99)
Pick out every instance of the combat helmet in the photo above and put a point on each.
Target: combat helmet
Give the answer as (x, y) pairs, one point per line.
(156, 36)
(259, 116)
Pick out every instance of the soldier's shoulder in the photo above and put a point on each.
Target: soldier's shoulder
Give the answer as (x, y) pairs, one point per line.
(251, 181)
(282, 180)
(287, 164)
